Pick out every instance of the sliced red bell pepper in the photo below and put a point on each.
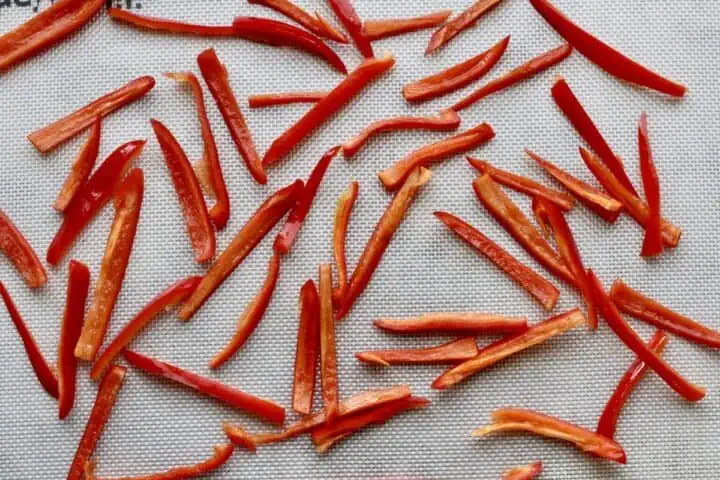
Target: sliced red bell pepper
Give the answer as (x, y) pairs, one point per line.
(342, 218)
(317, 25)
(469, 323)
(16, 247)
(92, 197)
(239, 436)
(653, 242)
(77, 291)
(541, 216)
(210, 163)
(448, 120)
(527, 70)
(118, 247)
(452, 352)
(347, 15)
(250, 318)
(165, 300)
(457, 76)
(324, 109)
(265, 409)
(245, 241)
(393, 177)
(631, 339)
(505, 347)
(81, 168)
(528, 472)
(60, 131)
(288, 234)
(165, 25)
(462, 22)
(603, 55)
(515, 419)
(272, 99)
(379, 29)
(635, 373)
(308, 349)
(380, 238)
(328, 355)
(43, 372)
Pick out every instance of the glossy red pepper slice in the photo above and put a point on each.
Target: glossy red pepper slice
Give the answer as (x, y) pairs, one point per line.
(603, 55)
(92, 197)
(251, 317)
(265, 409)
(118, 247)
(328, 355)
(245, 241)
(469, 323)
(239, 436)
(527, 472)
(272, 99)
(393, 177)
(16, 247)
(324, 109)
(81, 168)
(345, 12)
(43, 372)
(288, 234)
(380, 238)
(308, 349)
(165, 25)
(452, 352)
(462, 22)
(317, 24)
(653, 242)
(343, 210)
(60, 131)
(379, 29)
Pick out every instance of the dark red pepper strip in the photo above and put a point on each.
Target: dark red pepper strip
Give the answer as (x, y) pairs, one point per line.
(528, 472)
(452, 352)
(462, 22)
(165, 25)
(81, 168)
(344, 209)
(379, 29)
(328, 354)
(351, 21)
(16, 247)
(653, 242)
(43, 372)
(272, 99)
(603, 55)
(308, 349)
(317, 25)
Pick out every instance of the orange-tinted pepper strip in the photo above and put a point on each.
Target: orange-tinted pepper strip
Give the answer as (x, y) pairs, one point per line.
(342, 218)
(317, 25)
(541, 217)
(381, 237)
(328, 355)
(262, 221)
(165, 300)
(452, 352)
(462, 22)
(515, 419)
(379, 29)
(505, 347)
(272, 99)
(16, 247)
(164, 25)
(528, 472)
(308, 349)
(60, 131)
(347, 15)
(239, 436)
(653, 243)
(603, 55)
(474, 323)
(251, 317)
(43, 372)
(81, 168)
(635, 373)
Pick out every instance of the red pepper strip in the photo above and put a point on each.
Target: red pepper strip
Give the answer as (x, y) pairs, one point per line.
(288, 234)
(317, 25)
(60, 131)
(462, 22)
(328, 355)
(448, 120)
(216, 78)
(239, 436)
(381, 237)
(308, 348)
(653, 243)
(605, 206)
(77, 290)
(604, 56)
(347, 15)
(379, 29)
(525, 71)
(528, 472)
(210, 162)
(457, 76)
(393, 177)
(43, 372)
(515, 419)
(631, 339)
(475, 323)
(81, 168)
(272, 99)
(92, 197)
(165, 300)
(505, 347)
(324, 109)
(262, 221)
(164, 25)
(635, 373)
(16, 247)
(342, 218)
(635, 207)
(104, 402)
(190, 196)
(265, 409)
(541, 216)
(452, 352)
(544, 291)
(250, 318)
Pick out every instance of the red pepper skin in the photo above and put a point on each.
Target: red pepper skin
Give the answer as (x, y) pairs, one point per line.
(164, 25)
(308, 349)
(16, 247)
(604, 56)
(239, 436)
(328, 355)
(462, 22)
(43, 372)
(81, 168)
(272, 99)
(528, 472)
(653, 243)
(378, 29)
(343, 210)
(338, 97)
(317, 25)
(347, 15)
(451, 352)
(92, 197)
(468, 323)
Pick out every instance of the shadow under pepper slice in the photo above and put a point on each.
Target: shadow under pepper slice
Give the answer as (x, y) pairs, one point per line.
(653, 242)
(469, 323)
(317, 24)
(81, 168)
(455, 351)
(16, 247)
(528, 472)
(462, 22)
(343, 210)
(308, 349)
(347, 15)
(328, 355)
(272, 99)
(378, 29)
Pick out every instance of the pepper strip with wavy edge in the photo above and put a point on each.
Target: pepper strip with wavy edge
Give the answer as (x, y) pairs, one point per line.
(317, 24)
(505, 347)
(653, 243)
(328, 354)
(347, 15)
(343, 210)
(462, 22)
(308, 349)
(16, 247)
(475, 323)
(528, 472)
(381, 237)
(455, 351)
(60, 131)
(81, 168)
(394, 176)
(245, 241)
(379, 29)
(515, 419)
(272, 99)
(239, 436)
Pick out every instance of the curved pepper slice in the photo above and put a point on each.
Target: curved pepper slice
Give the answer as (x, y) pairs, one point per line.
(448, 120)
(653, 243)
(250, 318)
(272, 99)
(16, 247)
(81, 168)
(462, 22)
(515, 419)
(165, 300)
(128, 202)
(60, 131)
(379, 29)
(317, 24)
(393, 177)
(528, 472)
(475, 323)
(343, 210)
(338, 97)
(308, 348)
(505, 347)
(349, 18)
(451, 352)
(328, 355)
(603, 55)
(239, 436)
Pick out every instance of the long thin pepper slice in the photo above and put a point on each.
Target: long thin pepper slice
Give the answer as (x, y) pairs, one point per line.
(475, 323)
(462, 22)
(379, 29)
(308, 349)
(272, 99)
(81, 168)
(328, 355)
(343, 210)
(653, 243)
(16, 247)
(528, 472)
(347, 15)
(455, 351)
(317, 24)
